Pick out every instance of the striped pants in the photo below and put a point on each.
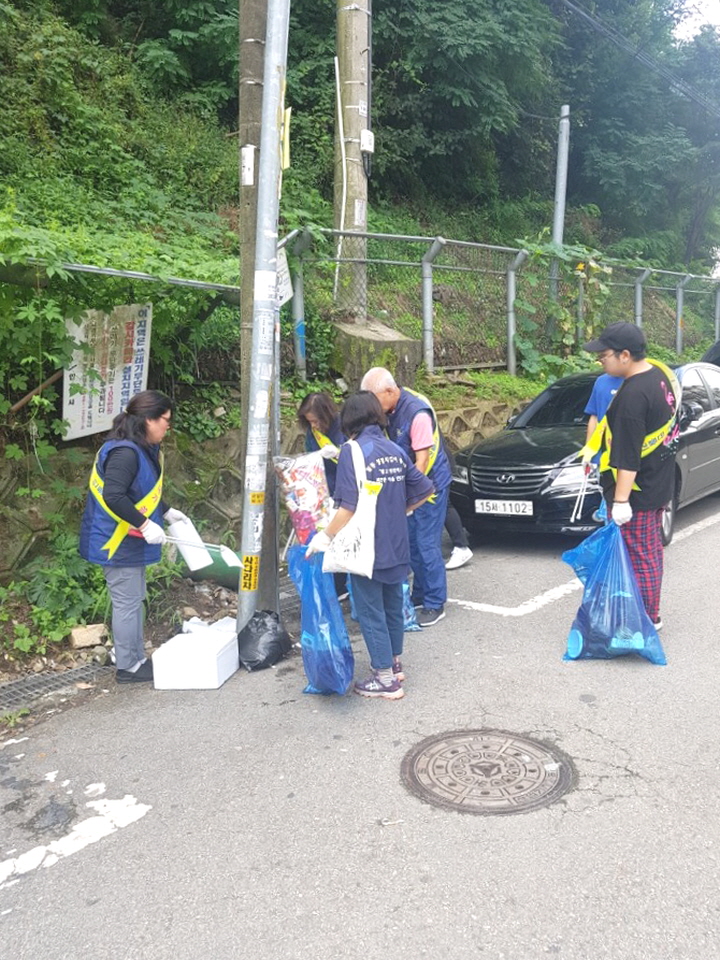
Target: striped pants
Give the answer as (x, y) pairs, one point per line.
(643, 539)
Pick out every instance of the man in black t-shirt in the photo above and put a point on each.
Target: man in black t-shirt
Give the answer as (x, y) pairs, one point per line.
(638, 467)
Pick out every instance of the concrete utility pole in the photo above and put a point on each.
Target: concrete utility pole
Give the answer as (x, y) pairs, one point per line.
(353, 149)
(263, 396)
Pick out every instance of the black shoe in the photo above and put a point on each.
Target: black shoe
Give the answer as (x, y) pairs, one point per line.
(426, 617)
(143, 674)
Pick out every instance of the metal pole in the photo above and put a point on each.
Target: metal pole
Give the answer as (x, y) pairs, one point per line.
(265, 309)
(639, 296)
(680, 300)
(560, 192)
(298, 312)
(427, 302)
(511, 294)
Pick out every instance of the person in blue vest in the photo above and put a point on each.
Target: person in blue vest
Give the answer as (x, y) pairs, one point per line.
(121, 528)
(413, 426)
(378, 599)
(320, 418)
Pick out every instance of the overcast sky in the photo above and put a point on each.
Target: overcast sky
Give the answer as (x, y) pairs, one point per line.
(701, 12)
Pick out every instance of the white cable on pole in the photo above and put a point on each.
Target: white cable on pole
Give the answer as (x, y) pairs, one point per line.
(343, 162)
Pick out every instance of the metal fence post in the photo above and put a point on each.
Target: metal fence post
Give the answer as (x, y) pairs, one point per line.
(511, 294)
(680, 297)
(639, 296)
(427, 301)
(298, 313)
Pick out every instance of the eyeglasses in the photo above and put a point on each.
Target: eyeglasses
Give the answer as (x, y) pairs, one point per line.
(165, 417)
(605, 354)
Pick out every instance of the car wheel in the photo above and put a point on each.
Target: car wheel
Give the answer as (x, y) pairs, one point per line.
(668, 520)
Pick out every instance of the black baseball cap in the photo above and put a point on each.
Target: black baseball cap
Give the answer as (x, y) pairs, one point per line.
(618, 336)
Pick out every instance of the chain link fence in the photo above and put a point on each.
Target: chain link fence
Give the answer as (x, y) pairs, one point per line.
(461, 298)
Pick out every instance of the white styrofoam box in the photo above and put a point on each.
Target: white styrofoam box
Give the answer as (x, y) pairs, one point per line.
(196, 661)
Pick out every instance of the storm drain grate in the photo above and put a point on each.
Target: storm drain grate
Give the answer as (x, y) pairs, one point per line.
(19, 694)
(487, 772)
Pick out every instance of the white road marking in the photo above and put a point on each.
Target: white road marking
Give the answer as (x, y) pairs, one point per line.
(557, 593)
(112, 816)
(527, 606)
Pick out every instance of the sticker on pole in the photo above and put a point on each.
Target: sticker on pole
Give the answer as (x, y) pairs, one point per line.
(251, 571)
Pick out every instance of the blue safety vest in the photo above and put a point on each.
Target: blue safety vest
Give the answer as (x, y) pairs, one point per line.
(99, 528)
(398, 430)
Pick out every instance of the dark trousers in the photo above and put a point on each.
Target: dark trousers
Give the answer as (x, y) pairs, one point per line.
(454, 527)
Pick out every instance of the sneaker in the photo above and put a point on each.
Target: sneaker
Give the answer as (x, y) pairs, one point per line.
(658, 624)
(398, 671)
(427, 617)
(343, 596)
(417, 604)
(458, 558)
(143, 674)
(373, 688)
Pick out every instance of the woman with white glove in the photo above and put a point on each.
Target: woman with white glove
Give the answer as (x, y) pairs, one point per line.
(122, 524)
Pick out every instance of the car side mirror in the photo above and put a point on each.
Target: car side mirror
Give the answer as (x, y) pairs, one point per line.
(689, 412)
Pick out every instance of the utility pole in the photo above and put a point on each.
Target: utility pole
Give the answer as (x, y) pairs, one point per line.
(253, 22)
(257, 540)
(353, 150)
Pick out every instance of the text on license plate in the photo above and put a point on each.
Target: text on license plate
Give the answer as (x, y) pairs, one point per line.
(515, 508)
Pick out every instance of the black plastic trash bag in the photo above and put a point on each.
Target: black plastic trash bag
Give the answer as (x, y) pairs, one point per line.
(325, 645)
(263, 642)
(611, 621)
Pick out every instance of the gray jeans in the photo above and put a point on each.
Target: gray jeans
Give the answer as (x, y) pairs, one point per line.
(127, 592)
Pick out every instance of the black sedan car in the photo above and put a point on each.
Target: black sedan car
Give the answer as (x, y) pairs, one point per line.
(527, 477)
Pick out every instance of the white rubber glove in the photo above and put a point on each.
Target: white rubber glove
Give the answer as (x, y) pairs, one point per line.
(329, 452)
(153, 533)
(621, 513)
(319, 544)
(173, 516)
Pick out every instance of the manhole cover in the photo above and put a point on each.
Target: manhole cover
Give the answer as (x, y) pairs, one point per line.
(487, 772)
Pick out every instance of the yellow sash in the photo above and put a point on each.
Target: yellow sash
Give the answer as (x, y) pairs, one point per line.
(435, 448)
(602, 435)
(146, 506)
(323, 441)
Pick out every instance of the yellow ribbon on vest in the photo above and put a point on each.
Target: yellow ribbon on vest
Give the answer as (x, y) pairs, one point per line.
(602, 435)
(323, 441)
(146, 506)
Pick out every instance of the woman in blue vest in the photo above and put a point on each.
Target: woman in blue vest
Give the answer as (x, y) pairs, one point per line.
(378, 599)
(121, 527)
(319, 416)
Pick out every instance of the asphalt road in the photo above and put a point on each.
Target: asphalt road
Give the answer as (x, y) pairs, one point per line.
(257, 822)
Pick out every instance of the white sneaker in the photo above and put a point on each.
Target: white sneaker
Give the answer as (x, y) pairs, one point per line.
(458, 558)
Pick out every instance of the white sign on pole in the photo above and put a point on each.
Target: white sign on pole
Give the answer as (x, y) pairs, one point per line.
(284, 281)
(109, 370)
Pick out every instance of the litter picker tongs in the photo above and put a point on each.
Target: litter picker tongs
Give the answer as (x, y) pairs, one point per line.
(580, 501)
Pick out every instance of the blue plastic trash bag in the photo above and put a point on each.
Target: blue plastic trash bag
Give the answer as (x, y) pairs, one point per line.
(611, 621)
(327, 655)
(409, 616)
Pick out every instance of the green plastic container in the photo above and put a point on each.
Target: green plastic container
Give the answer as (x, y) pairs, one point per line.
(219, 571)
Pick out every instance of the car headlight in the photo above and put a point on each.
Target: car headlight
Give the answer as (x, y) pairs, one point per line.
(572, 475)
(460, 474)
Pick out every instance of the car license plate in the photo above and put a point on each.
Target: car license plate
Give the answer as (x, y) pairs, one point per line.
(515, 508)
